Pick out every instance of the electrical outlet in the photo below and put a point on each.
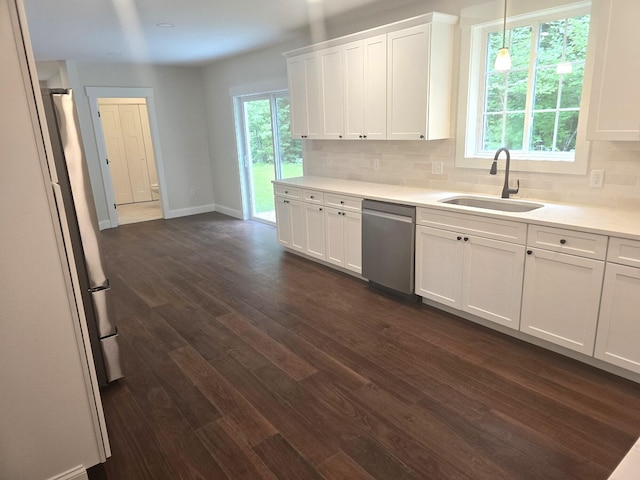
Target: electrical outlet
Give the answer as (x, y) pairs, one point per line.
(376, 163)
(597, 178)
(437, 168)
(192, 192)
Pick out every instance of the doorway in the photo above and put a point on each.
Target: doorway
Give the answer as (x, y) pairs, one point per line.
(131, 159)
(268, 151)
(118, 214)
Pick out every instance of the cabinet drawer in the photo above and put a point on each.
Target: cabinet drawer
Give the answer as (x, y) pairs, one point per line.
(313, 196)
(623, 251)
(343, 202)
(289, 192)
(583, 244)
(494, 228)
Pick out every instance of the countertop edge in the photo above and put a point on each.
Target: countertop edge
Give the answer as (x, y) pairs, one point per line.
(598, 220)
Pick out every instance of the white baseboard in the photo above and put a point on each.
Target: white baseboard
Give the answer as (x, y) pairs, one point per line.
(232, 212)
(104, 224)
(78, 473)
(184, 212)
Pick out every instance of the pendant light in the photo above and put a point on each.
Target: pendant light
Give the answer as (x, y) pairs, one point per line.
(503, 60)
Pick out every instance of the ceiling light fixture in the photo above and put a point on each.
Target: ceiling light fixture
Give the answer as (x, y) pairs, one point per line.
(165, 25)
(503, 60)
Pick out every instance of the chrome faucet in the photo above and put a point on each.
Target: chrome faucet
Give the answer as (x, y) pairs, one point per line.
(506, 191)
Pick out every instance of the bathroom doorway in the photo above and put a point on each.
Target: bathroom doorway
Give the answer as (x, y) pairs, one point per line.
(131, 159)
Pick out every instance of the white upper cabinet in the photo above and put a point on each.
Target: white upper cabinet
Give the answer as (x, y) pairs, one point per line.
(331, 86)
(419, 76)
(614, 110)
(392, 82)
(305, 96)
(365, 88)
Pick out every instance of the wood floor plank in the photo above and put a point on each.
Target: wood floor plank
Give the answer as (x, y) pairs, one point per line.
(244, 361)
(284, 460)
(231, 457)
(342, 467)
(289, 362)
(223, 395)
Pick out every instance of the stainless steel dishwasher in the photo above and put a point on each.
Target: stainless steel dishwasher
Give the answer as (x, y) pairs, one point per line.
(388, 243)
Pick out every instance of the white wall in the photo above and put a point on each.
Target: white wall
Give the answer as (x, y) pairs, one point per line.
(182, 120)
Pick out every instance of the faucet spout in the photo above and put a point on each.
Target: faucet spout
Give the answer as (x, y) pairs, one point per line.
(506, 191)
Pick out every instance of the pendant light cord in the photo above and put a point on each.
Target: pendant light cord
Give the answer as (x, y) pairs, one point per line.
(504, 25)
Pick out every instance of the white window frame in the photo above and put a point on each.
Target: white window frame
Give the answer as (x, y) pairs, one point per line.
(471, 94)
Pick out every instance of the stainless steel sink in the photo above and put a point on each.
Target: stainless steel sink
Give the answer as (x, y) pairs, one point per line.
(503, 205)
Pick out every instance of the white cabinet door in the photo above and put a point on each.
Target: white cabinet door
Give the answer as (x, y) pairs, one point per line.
(618, 337)
(439, 256)
(344, 239)
(331, 85)
(298, 96)
(298, 230)
(353, 241)
(492, 280)
(375, 87)
(304, 93)
(335, 236)
(614, 112)
(315, 230)
(353, 60)
(283, 221)
(561, 298)
(407, 78)
(290, 223)
(365, 88)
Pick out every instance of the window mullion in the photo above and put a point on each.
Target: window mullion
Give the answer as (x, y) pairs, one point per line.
(528, 116)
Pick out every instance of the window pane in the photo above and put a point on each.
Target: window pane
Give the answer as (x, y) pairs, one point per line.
(290, 149)
(551, 43)
(546, 88)
(496, 86)
(577, 35)
(492, 132)
(520, 47)
(517, 90)
(567, 129)
(514, 131)
(542, 132)
(572, 87)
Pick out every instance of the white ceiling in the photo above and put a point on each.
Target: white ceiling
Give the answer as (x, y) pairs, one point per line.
(205, 30)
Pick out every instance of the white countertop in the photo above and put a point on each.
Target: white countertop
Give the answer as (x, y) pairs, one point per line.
(605, 221)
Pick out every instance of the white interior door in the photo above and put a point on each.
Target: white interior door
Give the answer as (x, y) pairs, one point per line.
(135, 152)
(110, 116)
(129, 147)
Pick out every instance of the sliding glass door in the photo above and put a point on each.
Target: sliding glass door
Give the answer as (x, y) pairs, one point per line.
(268, 151)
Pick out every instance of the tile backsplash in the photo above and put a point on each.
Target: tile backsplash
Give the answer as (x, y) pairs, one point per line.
(410, 163)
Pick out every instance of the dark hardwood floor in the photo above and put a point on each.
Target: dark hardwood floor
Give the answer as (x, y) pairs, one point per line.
(246, 362)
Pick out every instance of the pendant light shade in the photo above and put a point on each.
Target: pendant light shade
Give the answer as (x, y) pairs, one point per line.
(503, 60)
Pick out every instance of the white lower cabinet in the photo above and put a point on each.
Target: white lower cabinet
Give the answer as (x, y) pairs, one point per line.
(561, 298)
(315, 231)
(344, 239)
(290, 223)
(618, 334)
(478, 275)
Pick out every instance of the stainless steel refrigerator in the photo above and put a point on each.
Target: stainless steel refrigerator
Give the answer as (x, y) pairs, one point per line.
(74, 200)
